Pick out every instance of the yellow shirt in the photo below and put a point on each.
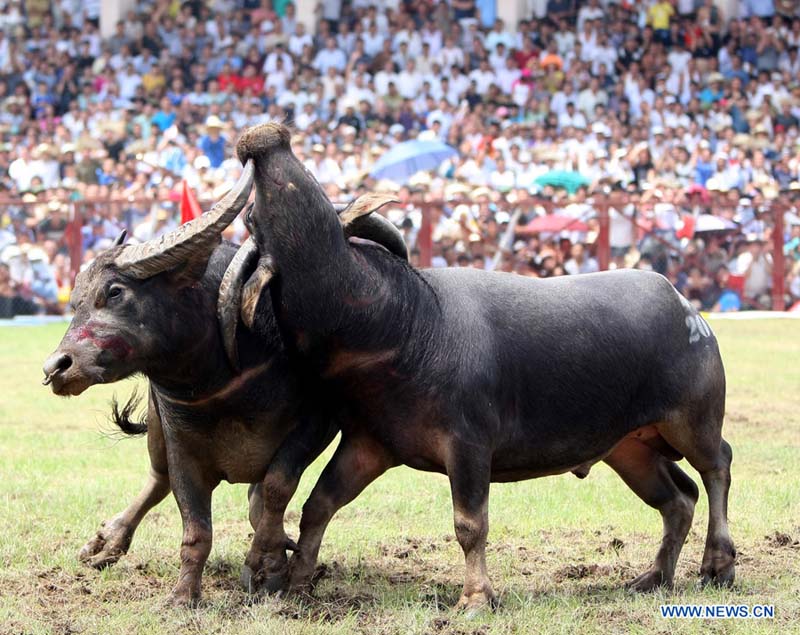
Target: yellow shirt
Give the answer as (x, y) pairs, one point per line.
(660, 14)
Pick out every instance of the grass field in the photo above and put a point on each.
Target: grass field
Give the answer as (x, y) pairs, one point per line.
(560, 548)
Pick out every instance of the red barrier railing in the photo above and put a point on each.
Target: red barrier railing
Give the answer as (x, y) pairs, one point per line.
(602, 204)
(80, 211)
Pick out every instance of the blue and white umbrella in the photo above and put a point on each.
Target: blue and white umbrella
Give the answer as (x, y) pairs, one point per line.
(405, 159)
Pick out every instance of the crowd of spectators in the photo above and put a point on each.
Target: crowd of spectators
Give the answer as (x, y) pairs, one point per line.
(684, 109)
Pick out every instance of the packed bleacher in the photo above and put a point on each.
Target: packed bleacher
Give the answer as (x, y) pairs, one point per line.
(689, 111)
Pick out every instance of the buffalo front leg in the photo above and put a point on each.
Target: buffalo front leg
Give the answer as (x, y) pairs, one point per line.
(663, 485)
(266, 566)
(193, 495)
(114, 537)
(470, 475)
(356, 463)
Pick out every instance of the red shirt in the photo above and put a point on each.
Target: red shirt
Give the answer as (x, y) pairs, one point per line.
(225, 81)
(255, 84)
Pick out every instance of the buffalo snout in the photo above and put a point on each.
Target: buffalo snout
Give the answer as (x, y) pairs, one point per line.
(54, 365)
(68, 374)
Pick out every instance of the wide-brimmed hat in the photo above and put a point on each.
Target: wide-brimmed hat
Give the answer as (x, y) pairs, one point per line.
(214, 122)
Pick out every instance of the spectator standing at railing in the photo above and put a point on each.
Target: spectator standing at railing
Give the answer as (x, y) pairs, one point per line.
(12, 302)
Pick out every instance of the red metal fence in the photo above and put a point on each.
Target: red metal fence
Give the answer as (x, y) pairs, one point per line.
(80, 211)
(602, 204)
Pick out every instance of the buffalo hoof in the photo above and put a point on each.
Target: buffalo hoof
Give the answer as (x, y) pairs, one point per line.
(301, 574)
(477, 603)
(182, 599)
(720, 572)
(261, 581)
(106, 547)
(649, 581)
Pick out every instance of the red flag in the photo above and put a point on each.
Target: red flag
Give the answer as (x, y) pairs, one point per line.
(190, 208)
(686, 227)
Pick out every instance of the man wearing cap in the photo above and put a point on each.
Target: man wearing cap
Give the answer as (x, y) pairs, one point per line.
(212, 143)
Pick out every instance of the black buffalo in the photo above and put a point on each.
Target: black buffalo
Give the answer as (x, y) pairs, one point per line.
(491, 377)
(220, 403)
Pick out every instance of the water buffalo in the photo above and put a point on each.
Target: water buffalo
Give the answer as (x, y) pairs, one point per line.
(491, 377)
(152, 309)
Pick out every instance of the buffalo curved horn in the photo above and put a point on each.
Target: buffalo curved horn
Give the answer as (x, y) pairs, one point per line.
(193, 241)
(121, 238)
(229, 298)
(364, 205)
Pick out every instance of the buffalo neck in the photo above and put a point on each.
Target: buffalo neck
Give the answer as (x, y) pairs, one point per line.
(191, 361)
(330, 293)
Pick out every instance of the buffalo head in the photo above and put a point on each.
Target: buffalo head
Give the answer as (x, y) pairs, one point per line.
(129, 309)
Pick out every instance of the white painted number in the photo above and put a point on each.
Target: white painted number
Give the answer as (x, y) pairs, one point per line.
(697, 328)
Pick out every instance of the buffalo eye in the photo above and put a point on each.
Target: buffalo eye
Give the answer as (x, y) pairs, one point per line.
(113, 292)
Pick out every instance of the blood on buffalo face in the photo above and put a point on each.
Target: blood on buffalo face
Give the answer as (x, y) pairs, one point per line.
(115, 324)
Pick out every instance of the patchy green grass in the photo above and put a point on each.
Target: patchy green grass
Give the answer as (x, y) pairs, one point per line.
(560, 549)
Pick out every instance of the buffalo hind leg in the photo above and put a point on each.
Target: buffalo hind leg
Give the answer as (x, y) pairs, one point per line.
(663, 485)
(114, 537)
(469, 485)
(708, 453)
(266, 566)
(720, 555)
(356, 463)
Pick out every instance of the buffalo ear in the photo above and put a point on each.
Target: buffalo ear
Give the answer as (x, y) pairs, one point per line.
(188, 273)
(121, 238)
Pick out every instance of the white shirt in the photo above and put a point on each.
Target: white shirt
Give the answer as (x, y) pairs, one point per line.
(451, 57)
(506, 78)
(559, 101)
(20, 173)
(482, 79)
(298, 42)
(128, 84)
(327, 58)
(411, 38)
(372, 43)
(603, 55)
(271, 63)
(577, 120)
(408, 84)
(494, 38)
(381, 81)
(588, 13)
(434, 40)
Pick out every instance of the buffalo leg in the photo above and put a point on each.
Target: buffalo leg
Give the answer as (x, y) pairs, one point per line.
(663, 485)
(356, 463)
(114, 537)
(707, 452)
(719, 555)
(193, 495)
(266, 566)
(469, 485)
